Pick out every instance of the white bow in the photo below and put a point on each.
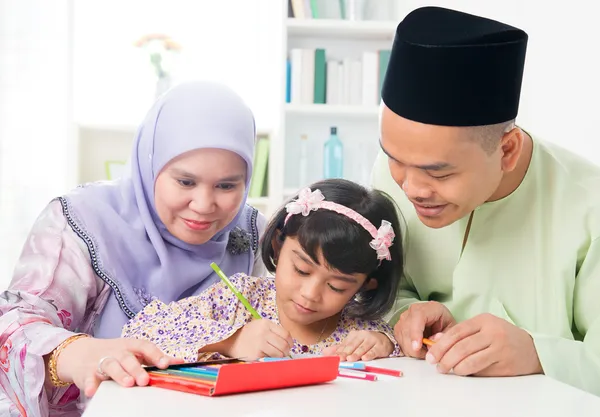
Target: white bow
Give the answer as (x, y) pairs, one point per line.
(384, 239)
(307, 201)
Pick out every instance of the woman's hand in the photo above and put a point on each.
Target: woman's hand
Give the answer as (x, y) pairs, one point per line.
(79, 362)
(362, 345)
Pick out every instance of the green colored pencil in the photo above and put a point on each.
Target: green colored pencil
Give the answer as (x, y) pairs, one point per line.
(235, 291)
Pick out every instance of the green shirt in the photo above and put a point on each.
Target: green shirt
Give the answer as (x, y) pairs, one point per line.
(532, 258)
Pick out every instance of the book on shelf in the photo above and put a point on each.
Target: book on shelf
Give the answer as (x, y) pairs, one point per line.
(288, 81)
(314, 79)
(259, 182)
(328, 9)
(304, 9)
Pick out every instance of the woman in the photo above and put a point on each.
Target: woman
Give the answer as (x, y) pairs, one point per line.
(98, 255)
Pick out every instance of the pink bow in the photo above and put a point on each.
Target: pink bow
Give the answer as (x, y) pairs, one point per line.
(383, 240)
(307, 201)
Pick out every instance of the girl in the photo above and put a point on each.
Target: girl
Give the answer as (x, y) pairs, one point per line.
(336, 268)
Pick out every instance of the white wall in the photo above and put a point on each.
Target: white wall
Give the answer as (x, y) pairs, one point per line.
(223, 40)
(561, 85)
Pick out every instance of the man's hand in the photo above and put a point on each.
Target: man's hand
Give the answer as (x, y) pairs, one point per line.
(419, 321)
(485, 345)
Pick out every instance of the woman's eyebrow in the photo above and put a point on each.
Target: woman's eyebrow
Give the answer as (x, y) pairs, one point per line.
(233, 178)
(184, 173)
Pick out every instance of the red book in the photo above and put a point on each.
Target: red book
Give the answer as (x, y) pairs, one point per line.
(232, 378)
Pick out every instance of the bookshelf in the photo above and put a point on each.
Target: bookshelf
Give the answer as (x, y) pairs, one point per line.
(356, 120)
(341, 29)
(328, 110)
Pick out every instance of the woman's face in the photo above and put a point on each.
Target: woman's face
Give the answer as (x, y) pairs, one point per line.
(198, 193)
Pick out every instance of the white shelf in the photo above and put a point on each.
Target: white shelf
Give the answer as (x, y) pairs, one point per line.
(331, 110)
(346, 29)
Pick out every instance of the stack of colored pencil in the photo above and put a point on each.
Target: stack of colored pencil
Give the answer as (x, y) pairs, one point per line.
(196, 379)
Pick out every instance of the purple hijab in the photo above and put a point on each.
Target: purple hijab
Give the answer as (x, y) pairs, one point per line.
(130, 248)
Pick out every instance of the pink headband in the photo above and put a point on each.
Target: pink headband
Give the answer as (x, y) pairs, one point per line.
(309, 201)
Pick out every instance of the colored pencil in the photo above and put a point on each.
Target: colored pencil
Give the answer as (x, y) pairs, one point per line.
(235, 291)
(193, 364)
(191, 385)
(383, 371)
(345, 373)
(352, 365)
(428, 342)
(179, 377)
(200, 373)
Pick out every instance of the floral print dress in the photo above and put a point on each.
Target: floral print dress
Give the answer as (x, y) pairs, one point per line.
(182, 328)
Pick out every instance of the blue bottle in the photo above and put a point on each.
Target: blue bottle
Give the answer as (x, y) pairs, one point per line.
(333, 156)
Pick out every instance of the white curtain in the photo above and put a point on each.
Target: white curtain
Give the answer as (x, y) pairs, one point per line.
(35, 116)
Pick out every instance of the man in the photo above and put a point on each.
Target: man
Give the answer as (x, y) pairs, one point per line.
(502, 229)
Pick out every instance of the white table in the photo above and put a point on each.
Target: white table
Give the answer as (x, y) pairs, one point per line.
(422, 392)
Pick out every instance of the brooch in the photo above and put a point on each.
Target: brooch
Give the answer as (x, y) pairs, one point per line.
(239, 241)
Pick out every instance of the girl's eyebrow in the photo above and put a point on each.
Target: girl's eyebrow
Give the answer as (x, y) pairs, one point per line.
(345, 278)
(302, 257)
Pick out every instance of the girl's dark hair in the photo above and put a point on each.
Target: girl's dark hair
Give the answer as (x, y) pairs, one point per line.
(344, 243)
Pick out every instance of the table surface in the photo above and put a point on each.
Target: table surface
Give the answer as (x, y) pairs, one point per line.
(422, 391)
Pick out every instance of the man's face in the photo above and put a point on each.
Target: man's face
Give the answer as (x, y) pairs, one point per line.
(443, 172)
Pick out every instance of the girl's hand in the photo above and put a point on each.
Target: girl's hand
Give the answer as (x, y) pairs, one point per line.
(362, 345)
(79, 362)
(258, 339)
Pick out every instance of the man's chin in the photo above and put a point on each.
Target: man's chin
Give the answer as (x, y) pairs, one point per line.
(437, 222)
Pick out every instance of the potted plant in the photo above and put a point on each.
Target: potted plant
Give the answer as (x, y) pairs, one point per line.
(161, 50)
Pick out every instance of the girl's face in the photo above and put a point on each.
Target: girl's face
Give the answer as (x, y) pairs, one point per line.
(309, 292)
(198, 193)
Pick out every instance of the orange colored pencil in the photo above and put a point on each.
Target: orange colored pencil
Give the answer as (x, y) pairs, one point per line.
(428, 342)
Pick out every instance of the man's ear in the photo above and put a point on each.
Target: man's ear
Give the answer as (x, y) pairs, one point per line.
(511, 145)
